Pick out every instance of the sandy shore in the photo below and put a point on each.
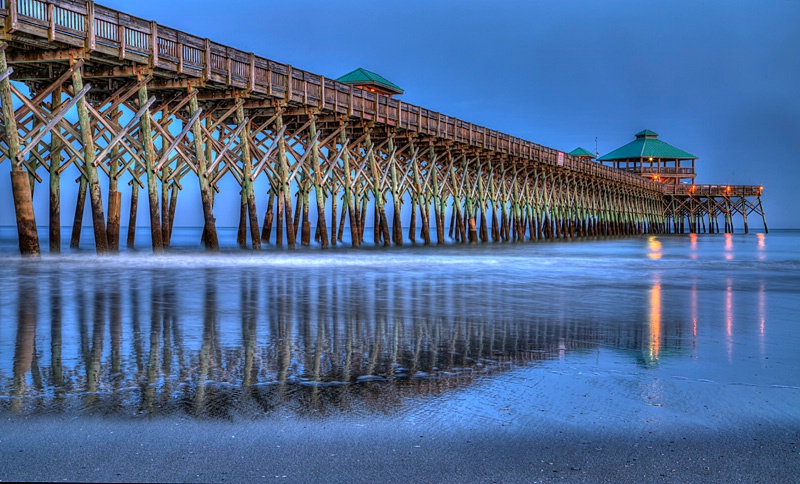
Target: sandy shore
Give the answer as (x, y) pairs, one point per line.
(292, 450)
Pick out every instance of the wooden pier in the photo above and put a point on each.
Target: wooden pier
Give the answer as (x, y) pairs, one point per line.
(691, 206)
(158, 108)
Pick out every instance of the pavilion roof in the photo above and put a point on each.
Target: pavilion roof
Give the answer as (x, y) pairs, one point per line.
(581, 152)
(362, 77)
(647, 145)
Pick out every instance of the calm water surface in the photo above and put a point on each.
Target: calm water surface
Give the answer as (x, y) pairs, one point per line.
(615, 334)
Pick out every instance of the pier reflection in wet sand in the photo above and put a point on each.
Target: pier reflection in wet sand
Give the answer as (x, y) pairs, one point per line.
(234, 336)
(225, 342)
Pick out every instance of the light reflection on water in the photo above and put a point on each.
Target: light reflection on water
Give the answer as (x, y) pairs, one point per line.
(371, 331)
(655, 320)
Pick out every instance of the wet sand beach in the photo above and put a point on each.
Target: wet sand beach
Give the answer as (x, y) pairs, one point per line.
(188, 451)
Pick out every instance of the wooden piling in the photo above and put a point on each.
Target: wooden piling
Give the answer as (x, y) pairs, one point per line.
(95, 195)
(26, 222)
(164, 208)
(149, 156)
(422, 202)
(133, 210)
(114, 208)
(362, 213)
(114, 199)
(435, 195)
(209, 228)
(298, 210)
(412, 227)
(343, 217)
(285, 193)
(266, 231)
(450, 231)
(241, 232)
(319, 192)
(80, 205)
(20, 184)
(381, 226)
(349, 200)
(397, 197)
(249, 196)
(55, 181)
(335, 234)
(173, 205)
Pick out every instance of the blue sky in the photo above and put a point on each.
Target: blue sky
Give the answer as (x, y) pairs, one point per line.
(717, 79)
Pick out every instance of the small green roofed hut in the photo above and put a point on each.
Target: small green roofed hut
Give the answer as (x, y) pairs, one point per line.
(582, 153)
(370, 81)
(652, 158)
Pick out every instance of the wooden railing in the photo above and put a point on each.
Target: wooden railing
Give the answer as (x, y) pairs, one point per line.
(661, 170)
(713, 190)
(101, 30)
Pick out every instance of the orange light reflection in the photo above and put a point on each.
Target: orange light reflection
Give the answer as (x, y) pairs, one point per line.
(728, 246)
(655, 248)
(655, 321)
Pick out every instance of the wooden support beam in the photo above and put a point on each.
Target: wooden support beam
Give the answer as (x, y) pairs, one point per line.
(381, 223)
(39, 56)
(247, 182)
(61, 113)
(146, 130)
(317, 180)
(227, 147)
(349, 198)
(209, 229)
(188, 126)
(124, 131)
(95, 195)
(6, 73)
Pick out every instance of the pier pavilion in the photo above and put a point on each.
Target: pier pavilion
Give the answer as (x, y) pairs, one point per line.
(653, 158)
(686, 203)
(583, 154)
(370, 81)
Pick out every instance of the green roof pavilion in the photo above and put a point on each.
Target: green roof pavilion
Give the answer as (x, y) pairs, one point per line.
(652, 158)
(370, 81)
(582, 153)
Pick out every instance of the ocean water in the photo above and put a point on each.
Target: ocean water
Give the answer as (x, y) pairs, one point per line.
(614, 334)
